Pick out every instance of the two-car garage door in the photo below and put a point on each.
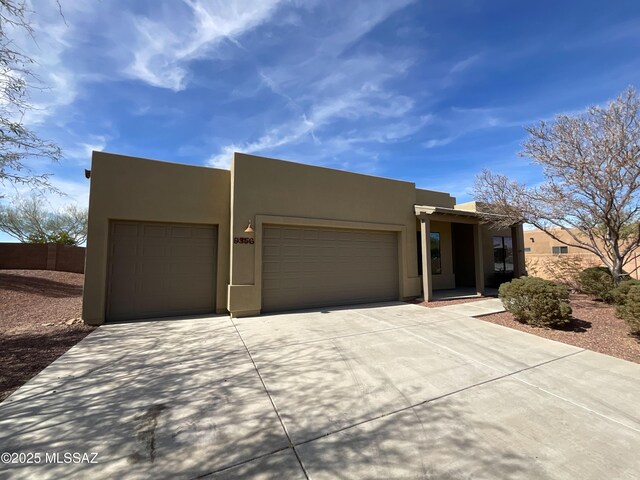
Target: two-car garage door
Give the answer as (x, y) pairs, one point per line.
(305, 267)
(158, 269)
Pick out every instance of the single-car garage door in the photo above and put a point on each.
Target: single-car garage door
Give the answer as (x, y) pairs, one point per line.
(158, 269)
(305, 267)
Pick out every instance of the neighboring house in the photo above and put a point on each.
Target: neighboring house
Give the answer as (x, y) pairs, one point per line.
(269, 235)
(542, 251)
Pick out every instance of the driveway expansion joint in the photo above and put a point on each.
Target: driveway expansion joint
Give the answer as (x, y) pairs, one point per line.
(430, 400)
(239, 464)
(273, 404)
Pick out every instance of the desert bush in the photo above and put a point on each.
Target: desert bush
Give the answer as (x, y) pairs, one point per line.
(598, 283)
(629, 311)
(536, 302)
(626, 296)
(619, 294)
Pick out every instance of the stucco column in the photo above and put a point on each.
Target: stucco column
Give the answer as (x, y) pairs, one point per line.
(477, 255)
(425, 230)
(517, 239)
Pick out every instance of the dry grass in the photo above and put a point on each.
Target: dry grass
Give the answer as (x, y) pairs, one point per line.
(39, 321)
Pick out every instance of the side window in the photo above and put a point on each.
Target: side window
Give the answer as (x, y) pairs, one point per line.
(502, 254)
(419, 245)
(559, 250)
(436, 258)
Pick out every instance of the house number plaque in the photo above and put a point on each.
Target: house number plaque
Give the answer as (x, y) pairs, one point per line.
(245, 240)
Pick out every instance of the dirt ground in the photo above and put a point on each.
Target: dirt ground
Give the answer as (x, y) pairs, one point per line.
(39, 321)
(594, 327)
(444, 303)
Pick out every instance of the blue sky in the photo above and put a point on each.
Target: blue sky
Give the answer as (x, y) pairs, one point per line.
(426, 91)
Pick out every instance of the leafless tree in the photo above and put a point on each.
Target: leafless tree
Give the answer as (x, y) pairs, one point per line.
(591, 187)
(17, 141)
(29, 221)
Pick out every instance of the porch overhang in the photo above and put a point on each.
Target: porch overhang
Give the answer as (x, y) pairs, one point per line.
(426, 214)
(444, 214)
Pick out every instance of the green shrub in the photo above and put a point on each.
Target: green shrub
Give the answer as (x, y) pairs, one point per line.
(598, 283)
(630, 310)
(627, 298)
(537, 302)
(619, 294)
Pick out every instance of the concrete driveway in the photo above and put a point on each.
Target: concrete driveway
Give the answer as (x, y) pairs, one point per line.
(385, 391)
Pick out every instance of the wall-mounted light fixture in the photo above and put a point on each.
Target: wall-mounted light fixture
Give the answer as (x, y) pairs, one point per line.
(87, 173)
(249, 228)
(532, 240)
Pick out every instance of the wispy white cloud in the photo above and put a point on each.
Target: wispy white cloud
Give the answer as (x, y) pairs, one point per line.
(81, 151)
(75, 192)
(162, 47)
(352, 106)
(275, 137)
(350, 93)
(466, 63)
(56, 85)
(458, 122)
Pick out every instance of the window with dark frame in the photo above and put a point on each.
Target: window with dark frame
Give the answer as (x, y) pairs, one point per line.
(559, 250)
(436, 258)
(436, 261)
(502, 254)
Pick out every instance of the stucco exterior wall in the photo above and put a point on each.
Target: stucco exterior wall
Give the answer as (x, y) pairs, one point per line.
(273, 191)
(540, 254)
(434, 199)
(129, 188)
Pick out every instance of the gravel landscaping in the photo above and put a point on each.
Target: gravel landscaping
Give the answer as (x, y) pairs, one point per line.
(444, 303)
(39, 321)
(594, 326)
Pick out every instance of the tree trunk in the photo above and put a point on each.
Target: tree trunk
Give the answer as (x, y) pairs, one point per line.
(617, 272)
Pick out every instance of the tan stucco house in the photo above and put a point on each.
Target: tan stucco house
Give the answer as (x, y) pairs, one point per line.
(166, 239)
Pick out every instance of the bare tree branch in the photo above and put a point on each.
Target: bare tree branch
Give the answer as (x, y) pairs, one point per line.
(17, 141)
(29, 221)
(591, 192)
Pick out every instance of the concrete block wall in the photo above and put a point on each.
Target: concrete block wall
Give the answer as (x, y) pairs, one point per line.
(34, 256)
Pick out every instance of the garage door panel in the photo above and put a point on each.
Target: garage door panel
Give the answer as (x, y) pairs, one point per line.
(121, 292)
(310, 235)
(311, 267)
(182, 232)
(126, 247)
(154, 231)
(162, 270)
(291, 233)
(152, 249)
(204, 233)
(327, 235)
(189, 269)
(125, 230)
